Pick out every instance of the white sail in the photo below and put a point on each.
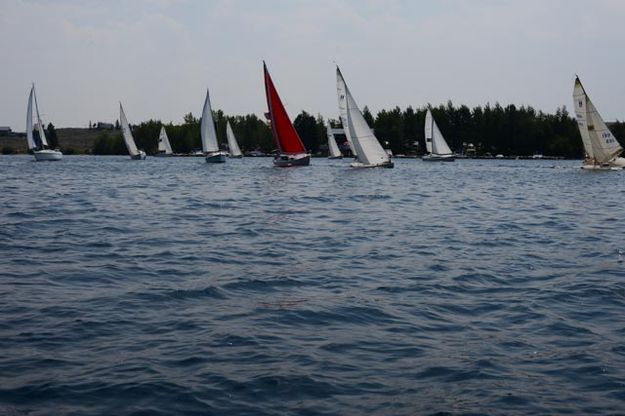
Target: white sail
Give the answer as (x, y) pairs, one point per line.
(128, 139)
(428, 131)
(438, 145)
(368, 149)
(340, 90)
(42, 134)
(163, 142)
(207, 128)
(332, 146)
(232, 141)
(579, 99)
(29, 121)
(599, 142)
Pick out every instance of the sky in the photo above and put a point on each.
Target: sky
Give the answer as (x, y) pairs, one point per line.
(158, 56)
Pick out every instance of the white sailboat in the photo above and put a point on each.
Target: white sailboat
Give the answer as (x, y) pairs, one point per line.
(435, 144)
(41, 152)
(601, 147)
(164, 147)
(369, 151)
(210, 147)
(333, 148)
(342, 96)
(233, 146)
(135, 154)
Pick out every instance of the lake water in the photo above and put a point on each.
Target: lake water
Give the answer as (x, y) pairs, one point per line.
(171, 286)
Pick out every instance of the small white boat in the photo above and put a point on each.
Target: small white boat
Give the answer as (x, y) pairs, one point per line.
(333, 148)
(369, 151)
(135, 154)
(210, 147)
(435, 144)
(233, 146)
(601, 147)
(164, 147)
(41, 152)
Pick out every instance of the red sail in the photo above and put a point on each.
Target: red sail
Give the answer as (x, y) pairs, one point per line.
(284, 133)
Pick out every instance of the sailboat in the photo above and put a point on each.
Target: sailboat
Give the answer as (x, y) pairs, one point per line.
(369, 151)
(290, 147)
(209, 135)
(41, 152)
(333, 148)
(601, 147)
(233, 146)
(135, 154)
(438, 150)
(164, 147)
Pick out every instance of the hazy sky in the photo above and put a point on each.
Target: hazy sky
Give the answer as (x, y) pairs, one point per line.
(158, 56)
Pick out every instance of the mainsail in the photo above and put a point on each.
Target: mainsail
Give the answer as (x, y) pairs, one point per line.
(340, 90)
(130, 142)
(233, 146)
(29, 121)
(600, 144)
(284, 134)
(434, 141)
(163, 142)
(207, 128)
(332, 146)
(368, 149)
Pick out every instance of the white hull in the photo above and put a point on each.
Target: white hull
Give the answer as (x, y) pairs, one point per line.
(47, 155)
(216, 157)
(616, 164)
(139, 156)
(286, 160)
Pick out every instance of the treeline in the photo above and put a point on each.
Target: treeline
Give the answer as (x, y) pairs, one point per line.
(509, 130)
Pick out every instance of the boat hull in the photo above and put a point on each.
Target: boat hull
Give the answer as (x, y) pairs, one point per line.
(286, 161)
(615, 164)
(216, 157)
(236, 157)
(47, 155)
(335, 157)
(359, 165)
(139, 156)
(438, 158)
